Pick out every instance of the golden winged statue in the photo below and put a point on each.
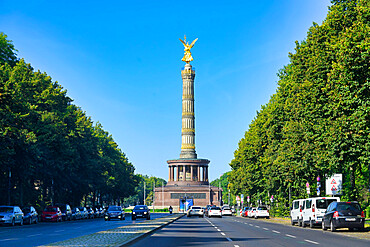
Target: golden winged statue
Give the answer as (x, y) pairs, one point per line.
(187, 56)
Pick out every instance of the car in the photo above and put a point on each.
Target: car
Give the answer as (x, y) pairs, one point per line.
(206, 210)
(261, 212)
(226, 211)
(195, 211)
(76, 214)
(245, 211)
(252, 212)
(66, 211)
(214, 211)
(313, 209)
(90, 213)
(141, 211)
(84, 213)
(343, 215)
(296, 212)
(233, 210)
(30, 215)
(114, 212)
(11, 215)
(51, 213)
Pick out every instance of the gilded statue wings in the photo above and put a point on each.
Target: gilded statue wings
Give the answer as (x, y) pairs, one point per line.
(192, 43)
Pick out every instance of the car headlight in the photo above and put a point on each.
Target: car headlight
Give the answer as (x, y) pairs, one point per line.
(6, 217)
(133, 213)
(145, 212)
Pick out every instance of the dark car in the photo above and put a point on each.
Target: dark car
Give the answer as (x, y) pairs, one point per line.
(51, 213)
(84, 213)
(66, 211)
(30, 215)
(76, 214)
(344, 215)
(114, 212)
(90, 213)
(141, 211)
(11, 215)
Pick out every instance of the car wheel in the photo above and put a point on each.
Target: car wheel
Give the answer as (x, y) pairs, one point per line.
(133, 218)
(268, 217)
(323, 226)
(332, 228)
(255, 217)
(291, 221)
(299, 223)
(13, 222)
(311, 224)
(148, 218)
(105, 219)
(21, 223)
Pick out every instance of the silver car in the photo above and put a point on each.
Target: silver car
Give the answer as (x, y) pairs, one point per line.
(11, 215)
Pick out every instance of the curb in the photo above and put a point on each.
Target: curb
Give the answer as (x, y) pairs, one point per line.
(136, 239)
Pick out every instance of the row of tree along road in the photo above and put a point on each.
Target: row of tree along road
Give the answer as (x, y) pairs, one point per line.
(318, 121)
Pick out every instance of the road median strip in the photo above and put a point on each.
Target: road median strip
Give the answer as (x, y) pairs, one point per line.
(119, 236)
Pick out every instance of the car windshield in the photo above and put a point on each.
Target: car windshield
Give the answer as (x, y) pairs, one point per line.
(324, 203)
(215, 208)
(261, 208)
(6, 209)
(50, 209)
(226, 208)
(114, 209)
(140, 208)
(349, 207)
(196, 208)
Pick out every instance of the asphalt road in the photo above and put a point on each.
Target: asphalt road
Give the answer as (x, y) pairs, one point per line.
(236, 231)
(50, 232)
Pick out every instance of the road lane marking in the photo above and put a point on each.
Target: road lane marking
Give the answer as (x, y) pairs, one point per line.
(8, 239)
(60, 231)
(229, 239)
(218, 230)
(265, 229)
(251, 224)
(236, 245)
(223, 234)
(312, 242)
(257, 226)
(291, 236)
(275, 231)
(34, 235)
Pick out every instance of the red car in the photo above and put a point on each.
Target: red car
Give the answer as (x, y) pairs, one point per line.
(51, 213)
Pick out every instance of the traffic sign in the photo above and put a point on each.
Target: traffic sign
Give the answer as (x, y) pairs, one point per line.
(334, 185)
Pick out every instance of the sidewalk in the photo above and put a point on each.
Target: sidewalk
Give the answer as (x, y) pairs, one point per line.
(118, 236)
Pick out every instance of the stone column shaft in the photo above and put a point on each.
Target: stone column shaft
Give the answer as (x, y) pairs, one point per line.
(188, 117)
(198, 173)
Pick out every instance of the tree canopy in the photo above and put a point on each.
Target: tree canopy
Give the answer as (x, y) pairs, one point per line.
(317, 122)
(51, 150)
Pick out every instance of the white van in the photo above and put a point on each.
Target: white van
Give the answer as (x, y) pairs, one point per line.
(296, 212)
(313, 209)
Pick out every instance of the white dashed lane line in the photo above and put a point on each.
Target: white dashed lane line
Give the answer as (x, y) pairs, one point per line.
(223, 234)
(34, 235)
(257, 226)
(275, 231)
(312, 242)
(229, 239)
(265, 229)
(291, 236)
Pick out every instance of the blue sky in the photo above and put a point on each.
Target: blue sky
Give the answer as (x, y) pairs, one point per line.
(121, 60)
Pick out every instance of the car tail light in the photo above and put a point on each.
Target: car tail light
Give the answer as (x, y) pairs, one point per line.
(313, 208)
(363, 214)
(267, 211)
(336, 214)
(300, 210)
